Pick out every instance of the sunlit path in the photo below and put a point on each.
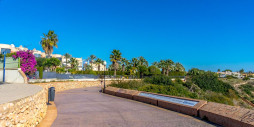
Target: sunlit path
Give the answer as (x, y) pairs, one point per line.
(87, 107)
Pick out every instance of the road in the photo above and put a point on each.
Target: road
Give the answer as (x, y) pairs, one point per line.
(87, 107)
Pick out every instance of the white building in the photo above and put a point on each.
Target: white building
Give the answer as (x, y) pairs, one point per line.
(226, 73)
(37, 53)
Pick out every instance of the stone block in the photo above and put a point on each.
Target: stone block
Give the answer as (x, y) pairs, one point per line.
(226, 115)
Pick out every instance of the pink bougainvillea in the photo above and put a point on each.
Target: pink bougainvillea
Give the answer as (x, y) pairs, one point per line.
(27, 61)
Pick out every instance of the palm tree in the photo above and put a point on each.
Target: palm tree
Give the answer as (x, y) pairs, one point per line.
(162, 65)
(124, 63)
(142, 61)
(134, 62)
(91, 58)
(66, 55)
(169, 66)
(48, 42)
(74, 63)
(179, 67)
(155, 63)
(99, 62)
(115, 57)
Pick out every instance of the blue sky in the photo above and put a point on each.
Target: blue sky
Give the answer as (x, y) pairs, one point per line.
(207, 34)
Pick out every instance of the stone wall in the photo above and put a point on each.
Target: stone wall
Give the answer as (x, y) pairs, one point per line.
(221, 114)
(62, 86)
(25, 112)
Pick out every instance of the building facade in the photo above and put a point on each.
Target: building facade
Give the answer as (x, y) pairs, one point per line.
(39, 54)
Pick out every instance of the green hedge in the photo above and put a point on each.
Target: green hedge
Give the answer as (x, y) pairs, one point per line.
(40, 69)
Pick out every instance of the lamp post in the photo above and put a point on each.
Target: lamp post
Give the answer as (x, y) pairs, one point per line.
(4, 66)
(104, 63)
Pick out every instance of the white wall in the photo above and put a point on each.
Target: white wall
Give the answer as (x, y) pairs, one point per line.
(12, 76)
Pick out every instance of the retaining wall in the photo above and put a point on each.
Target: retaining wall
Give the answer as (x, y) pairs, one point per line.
(24, 112)
(221, 114)
(62, 86)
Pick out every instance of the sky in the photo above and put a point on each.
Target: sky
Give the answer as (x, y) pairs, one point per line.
(205, 34)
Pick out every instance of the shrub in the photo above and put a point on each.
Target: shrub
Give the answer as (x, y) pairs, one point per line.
(40, 69)
(153, 70)
(60, 70)
(210, 81)
(230, 77)
(159, 80)
(128, 84)
(246, 78)
(27, 61)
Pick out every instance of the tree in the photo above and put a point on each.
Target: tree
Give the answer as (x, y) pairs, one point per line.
(179, 67)
(27, 61)
(54, 62)
(74, 63)
(169, 66)
(218, 70)
(142, 61)
(67, 55)
(195, 71)
(241, 71)
(124, 63)
(153, 70)
(99, 62)
(162, 65)
(48, 42)
(91, 59)
(227, 70)
(115, 57)
(142, 69)
(134, 62)
(41, 62)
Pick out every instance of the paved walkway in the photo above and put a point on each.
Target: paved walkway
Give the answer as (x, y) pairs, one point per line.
(12, 92)
(87, 107)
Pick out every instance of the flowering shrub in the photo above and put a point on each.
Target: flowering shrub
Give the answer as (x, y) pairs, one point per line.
(27, 61)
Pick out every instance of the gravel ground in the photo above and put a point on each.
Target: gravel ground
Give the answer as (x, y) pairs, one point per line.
(12, 92)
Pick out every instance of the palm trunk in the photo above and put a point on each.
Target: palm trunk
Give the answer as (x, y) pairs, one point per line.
(99, 68)
(123, 67)
(114, 69)
(163, 71)
(167, 71)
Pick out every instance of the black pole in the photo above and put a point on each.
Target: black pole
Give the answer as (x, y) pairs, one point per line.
(104, 78)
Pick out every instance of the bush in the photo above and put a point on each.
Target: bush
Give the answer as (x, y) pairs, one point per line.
(210, 81)
(159, 80)
(60, 70)
(127, 84)
(230, 77)
(40, 69)
(246, 78)
(153, 70)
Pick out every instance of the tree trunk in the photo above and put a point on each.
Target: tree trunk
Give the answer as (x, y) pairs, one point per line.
(99, 68)
(167, 72)
(163, 71)
(115, 70)
(123, 67)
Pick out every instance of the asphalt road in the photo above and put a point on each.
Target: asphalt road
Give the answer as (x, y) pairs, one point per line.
(87, 107)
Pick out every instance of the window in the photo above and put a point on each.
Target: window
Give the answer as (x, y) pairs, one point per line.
(5, 50)
(37, 55)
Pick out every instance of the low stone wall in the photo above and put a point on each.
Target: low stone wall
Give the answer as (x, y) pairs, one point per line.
(134, 95)
(221, 114)
(25, 112)
(62, 86)
(226, 115)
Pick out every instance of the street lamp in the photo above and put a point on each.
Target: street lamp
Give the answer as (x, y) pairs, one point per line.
(4, 65)
(104, 63)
